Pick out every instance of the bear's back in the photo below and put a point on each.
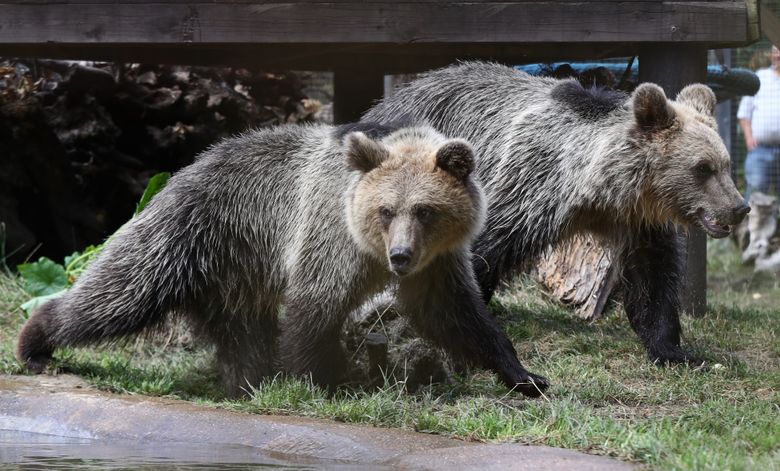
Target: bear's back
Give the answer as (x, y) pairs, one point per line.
(248, 196)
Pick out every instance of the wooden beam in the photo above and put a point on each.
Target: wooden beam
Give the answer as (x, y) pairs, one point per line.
(404, 58)
(754, 20)
(346, 22)
(673, 69)
(770, 24)
(394, 58)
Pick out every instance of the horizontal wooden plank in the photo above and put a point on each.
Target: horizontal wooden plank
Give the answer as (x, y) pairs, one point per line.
(401, 58)
(127, 22)
(260, 2)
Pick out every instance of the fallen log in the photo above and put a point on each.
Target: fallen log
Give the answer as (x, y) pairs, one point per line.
(582, 273)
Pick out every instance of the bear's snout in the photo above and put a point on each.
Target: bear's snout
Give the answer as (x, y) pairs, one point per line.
(741, 211)
(400, 259)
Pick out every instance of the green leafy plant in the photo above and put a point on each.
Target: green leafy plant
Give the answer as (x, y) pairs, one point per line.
(77, 262)
(43, 277)
(156, 183)
(46, 279)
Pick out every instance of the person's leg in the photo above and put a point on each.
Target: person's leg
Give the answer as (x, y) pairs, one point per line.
(759, 166)
(774, 173)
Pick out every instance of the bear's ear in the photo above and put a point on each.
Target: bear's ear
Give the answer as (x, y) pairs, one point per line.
(651, 109)
(456, 157)
(699, 97)
(363, 153)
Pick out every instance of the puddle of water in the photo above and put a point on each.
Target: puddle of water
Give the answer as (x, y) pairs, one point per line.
(34, 451)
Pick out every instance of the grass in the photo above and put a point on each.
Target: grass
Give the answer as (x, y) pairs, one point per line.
(605, 397)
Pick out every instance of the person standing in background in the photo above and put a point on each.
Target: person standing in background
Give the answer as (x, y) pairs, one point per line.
(759, 117)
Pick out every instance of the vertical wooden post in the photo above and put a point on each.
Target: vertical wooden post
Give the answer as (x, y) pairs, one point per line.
(674, 67)
(725, 114)
(354, 91)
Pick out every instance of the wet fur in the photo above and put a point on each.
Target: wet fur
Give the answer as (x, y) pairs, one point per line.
(557, 159)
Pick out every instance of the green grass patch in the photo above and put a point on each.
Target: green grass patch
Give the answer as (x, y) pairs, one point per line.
(605, 398)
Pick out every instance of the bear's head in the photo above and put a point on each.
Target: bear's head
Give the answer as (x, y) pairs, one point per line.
(688, 167)
(413, 196)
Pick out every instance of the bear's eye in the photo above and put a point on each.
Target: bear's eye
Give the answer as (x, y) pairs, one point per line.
(385, 215)
(424, 214)
(704, 169)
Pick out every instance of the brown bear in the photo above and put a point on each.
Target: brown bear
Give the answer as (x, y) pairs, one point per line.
(558, 159)
(302, 217)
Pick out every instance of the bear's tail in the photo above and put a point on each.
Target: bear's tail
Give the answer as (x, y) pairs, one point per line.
(131, 286)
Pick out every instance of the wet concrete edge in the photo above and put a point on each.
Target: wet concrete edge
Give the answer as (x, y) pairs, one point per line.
(64, 405)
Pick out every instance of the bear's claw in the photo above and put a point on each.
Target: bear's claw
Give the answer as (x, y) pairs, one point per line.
(532, 385)
(676, 356)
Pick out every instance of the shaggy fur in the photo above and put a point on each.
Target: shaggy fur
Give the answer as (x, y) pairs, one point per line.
(557, 160)
(293, 216)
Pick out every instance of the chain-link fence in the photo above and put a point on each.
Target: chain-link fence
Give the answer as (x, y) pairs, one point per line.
(747, 122)
(743, 271)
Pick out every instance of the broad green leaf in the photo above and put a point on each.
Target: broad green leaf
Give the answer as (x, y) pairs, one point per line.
(33, 304)
(43, 277)
(156, 183)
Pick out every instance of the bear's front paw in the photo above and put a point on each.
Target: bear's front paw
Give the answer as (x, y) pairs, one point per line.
(529, 384)
(675, 356)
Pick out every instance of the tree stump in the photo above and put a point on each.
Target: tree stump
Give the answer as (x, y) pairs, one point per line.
(582, 273)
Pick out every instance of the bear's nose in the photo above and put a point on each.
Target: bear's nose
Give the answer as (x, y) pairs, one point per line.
(400, 257)
(742, 210)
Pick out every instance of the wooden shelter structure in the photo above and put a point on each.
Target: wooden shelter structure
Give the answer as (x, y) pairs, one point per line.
(363, 40)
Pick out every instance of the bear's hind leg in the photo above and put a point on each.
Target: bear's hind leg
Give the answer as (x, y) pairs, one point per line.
(246, 347)
(311, 341)
(34, 348)
(102, 307)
